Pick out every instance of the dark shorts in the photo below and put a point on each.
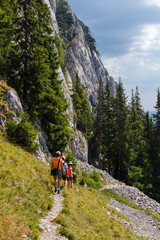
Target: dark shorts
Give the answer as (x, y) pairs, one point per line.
(65, 177)
(70, 178)
(55, 175)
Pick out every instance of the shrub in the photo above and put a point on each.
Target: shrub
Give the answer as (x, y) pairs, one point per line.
(23, 133)
(92, 180)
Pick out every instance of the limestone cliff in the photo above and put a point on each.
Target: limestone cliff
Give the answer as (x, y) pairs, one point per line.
(80, 56)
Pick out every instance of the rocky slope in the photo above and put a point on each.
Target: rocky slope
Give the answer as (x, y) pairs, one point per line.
(142, 223)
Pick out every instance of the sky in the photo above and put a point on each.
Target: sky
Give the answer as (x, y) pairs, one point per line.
(127, 34)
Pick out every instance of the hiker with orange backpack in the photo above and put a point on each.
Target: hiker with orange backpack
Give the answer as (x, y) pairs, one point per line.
(57, 170)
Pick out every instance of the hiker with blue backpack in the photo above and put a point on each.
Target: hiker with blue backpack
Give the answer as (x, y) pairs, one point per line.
(57, 171)
(65, 166)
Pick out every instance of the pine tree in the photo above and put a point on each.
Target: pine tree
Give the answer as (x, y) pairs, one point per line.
(138, 102)
(156, 150)
(108, 130)
(7, 28)
(138, 165)
(121, 123)
(95, 142)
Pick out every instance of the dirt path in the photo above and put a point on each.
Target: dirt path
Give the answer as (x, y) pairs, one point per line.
(50, 228)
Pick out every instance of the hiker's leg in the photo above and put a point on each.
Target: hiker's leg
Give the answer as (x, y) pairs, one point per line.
(71, 183)
(55, 180)
(59, 183)
(59, 180)
(65, 183)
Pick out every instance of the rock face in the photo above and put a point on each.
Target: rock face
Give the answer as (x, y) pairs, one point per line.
(14, 104)
(81, 56)
(15, 107)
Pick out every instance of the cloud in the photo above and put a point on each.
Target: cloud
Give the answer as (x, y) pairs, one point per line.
(140, 66)
(128, 37)
(153, 2)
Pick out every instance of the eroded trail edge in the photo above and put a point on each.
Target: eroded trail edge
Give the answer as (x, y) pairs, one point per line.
(47, 223)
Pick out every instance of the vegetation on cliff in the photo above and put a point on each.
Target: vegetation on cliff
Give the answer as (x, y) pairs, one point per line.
(30, 63)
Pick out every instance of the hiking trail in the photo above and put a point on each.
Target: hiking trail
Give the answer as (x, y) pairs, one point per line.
(47, 223)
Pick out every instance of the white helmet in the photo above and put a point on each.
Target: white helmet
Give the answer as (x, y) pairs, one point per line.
(63, 158)
(58, 153)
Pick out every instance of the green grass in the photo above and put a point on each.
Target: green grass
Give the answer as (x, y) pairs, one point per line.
(25, 197)
(25, 194)
(85, 216)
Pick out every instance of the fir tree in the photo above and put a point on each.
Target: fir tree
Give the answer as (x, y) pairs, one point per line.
(121, 123)
(108, 130)
(95, 142)
(138, 167)
(156, 150)
(7, 28)
(138, 102)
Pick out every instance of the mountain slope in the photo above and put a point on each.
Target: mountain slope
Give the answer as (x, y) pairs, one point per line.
(25, 194)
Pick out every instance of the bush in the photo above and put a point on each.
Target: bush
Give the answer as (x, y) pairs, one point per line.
(92, 180)
(23, 133)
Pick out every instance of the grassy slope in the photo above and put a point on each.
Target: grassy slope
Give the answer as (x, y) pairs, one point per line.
(85, 216)
(25, 197)
(24, 192)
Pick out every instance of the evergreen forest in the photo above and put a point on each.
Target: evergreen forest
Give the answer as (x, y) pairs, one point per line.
(126, 140)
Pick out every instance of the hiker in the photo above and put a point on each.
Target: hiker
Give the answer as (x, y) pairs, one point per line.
(65, 166)
(57, 170)
(70, 175)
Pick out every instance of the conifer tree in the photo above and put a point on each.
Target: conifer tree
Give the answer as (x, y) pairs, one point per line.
(7, 28)
(108, 130)
(156, 150)
(121, 123)
(95, 142)
(138, 165)
(138, 102)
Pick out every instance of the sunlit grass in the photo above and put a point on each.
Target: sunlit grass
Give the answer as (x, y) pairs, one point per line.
(85, 216)
(25, 194)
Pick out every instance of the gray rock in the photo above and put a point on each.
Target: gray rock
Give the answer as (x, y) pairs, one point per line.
(2, 121)
(14, 104)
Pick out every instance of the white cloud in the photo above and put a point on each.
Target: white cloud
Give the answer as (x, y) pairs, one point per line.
(140, 66)
(153, 2)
